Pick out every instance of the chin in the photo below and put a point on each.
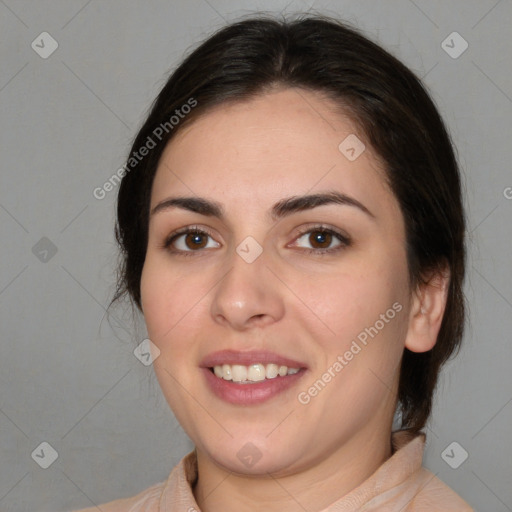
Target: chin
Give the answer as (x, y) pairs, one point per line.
(251, 460)
(254, 453)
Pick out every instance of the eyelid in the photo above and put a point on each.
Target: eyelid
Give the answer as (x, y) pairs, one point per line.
(319, 226)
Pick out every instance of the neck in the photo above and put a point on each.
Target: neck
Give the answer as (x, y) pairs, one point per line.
(312, 489)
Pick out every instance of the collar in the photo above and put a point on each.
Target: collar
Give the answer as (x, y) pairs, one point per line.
(385, 483)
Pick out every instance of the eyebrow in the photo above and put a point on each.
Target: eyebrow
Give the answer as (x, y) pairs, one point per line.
(281, 209)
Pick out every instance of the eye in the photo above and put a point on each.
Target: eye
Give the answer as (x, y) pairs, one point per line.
(189, 240)
(322, 240)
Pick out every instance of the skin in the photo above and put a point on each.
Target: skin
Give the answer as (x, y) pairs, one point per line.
(305, 306)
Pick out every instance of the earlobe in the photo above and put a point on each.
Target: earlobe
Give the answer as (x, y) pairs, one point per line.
(427, 311)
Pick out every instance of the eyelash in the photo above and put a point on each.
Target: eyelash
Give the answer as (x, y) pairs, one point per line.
(345, 241)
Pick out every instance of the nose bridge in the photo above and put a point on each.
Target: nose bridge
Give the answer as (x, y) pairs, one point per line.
(247, 293)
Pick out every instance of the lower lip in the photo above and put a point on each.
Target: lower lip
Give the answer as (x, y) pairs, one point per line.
(249, 394)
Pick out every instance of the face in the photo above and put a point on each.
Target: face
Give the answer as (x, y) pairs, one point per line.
(280, 320)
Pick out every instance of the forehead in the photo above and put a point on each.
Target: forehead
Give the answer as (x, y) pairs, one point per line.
(279, 144)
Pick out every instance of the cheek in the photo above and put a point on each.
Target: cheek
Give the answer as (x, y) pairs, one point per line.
(161, 299)
(363, 320)
(358, 359)
(172, 303)
(152, 294)
(350, 301)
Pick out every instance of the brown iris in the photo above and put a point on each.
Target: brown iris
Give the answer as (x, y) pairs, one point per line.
(196, 240)
(322, 238)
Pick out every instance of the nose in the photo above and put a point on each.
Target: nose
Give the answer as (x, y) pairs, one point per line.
(249, 295)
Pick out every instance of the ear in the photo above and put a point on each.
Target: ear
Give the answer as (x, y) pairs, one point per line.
(427, 311)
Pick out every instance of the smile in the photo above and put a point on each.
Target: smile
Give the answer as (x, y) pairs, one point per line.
(253, 373)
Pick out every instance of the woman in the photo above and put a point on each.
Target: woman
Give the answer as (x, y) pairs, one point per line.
(292, 229)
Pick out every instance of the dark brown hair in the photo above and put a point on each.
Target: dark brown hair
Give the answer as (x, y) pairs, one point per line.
(396, 117)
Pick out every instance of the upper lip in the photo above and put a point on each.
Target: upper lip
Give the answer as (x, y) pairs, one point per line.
(247, 358)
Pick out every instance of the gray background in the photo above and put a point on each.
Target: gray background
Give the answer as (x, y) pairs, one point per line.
(68, 375)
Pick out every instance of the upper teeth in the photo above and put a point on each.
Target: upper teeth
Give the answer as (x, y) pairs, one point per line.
(253, 372)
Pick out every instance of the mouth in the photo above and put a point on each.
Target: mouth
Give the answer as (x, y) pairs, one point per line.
(250, 378)
(253, 373)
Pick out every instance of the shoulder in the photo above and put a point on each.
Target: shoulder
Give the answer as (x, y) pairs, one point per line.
(434, 494)
(146, 501)
(176, 490)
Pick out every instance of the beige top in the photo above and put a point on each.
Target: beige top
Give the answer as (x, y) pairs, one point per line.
(400, 484)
